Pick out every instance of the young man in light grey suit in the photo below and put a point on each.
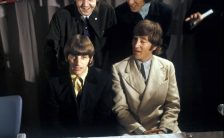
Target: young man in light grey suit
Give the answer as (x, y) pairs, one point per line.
(146, 102)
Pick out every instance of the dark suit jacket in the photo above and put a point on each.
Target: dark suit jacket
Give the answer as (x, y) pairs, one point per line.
(126, 20)
(67, 22)
(91, 115)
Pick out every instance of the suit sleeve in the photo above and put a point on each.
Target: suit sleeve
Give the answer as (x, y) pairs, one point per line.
(172, 103)
(106, 102)
(167, 29)
(53, 125)
(121, 109)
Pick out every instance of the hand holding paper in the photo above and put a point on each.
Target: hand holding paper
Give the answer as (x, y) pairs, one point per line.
(197, 17)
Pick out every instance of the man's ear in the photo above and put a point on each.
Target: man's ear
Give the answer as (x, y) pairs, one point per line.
(154, 48)
(91, 61)
(66, 59)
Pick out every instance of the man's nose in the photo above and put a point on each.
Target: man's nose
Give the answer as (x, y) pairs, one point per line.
(136, 43)
(130, 2)
(77, 60)
(85, 2)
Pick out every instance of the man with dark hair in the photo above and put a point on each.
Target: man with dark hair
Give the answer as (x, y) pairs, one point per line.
(147, 98)
(80, 104)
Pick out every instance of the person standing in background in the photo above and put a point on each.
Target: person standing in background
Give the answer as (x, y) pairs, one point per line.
(93, 18)
(128, 15)
(203, 64)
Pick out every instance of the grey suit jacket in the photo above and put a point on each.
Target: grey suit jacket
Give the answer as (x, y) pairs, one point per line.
(154, 104)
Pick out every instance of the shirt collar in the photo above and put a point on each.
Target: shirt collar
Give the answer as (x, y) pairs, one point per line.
(83, 76)
(84, 17)
(146, 64)
(144, 10)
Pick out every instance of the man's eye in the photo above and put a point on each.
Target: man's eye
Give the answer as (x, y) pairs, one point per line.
(84, 57)
(144, 41)
(71, 57)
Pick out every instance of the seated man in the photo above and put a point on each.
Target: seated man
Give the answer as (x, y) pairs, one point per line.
(147, 98)
(80, 104)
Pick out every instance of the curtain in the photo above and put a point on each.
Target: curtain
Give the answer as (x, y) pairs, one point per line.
(23, 28)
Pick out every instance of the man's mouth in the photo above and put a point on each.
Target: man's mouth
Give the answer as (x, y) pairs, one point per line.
(85, 9)
(137, 51)
(76, 68)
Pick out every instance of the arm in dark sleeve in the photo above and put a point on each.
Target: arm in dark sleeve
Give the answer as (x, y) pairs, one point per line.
(52, 46)
(105, 102)
(53, 125)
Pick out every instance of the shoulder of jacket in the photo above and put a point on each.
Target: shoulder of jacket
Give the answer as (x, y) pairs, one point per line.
(122, 6)
(122, 63)
(98, 72)
(64, 12)
(104, 5)
(162, 60)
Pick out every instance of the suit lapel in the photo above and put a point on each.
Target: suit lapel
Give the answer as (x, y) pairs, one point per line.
(78, 23)
(93, 20)
(153, 11)
(89, 90)
(67, 86)
(133, 77)
(156, 77)
(94, 23)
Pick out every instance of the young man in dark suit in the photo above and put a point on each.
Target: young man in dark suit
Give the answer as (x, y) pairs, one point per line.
(80, 104)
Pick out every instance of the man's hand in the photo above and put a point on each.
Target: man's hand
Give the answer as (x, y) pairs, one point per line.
(154, 131)
(195, 17)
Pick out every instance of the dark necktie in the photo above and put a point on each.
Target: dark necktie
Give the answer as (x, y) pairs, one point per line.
(86, 27)
(143, 71)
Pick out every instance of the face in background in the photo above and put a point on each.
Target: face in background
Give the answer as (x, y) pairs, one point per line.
(78, 64)
(135, 5)
(142, 48)
(85, 7)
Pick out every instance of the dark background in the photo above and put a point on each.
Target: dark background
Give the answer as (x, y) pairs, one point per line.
(202, 79)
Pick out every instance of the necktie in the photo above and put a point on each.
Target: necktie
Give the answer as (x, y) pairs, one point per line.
(77, 82)
(86, 27)
(143, 71)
